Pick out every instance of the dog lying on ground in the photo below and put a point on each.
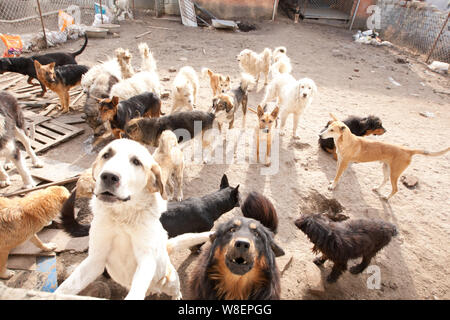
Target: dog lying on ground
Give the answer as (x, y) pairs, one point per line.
(22, 218)
(258, 207)
(263, 131)
(126, 235)
(148, 130)
(118, 114)
(198, 214)
(351, 148)
(281, 62)
(185, 88)
(12, 126)
(171, 160)
(239, 264)
(60, 79)
(254, 64)
(342, 241)
(219, 83)
(26, 66)
(226, 104)
(358, 126)
(147, 80)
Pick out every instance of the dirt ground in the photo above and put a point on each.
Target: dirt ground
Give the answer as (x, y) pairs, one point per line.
(352, 79)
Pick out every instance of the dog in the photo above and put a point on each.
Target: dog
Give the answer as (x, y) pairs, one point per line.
(183, 124)
(351, 148)
(12, 129)
(254, 64)
(258, 207)
(263, 131)
(124, 59)
(198, 214)
(293, 97)
(342, 241)
(60, 79)
(147, 80)
(226, 104)
(146, 104)
(359, 127)
(219, 83)
(185, 88)
(26, 66)
(122, 8)
(22, 218)
(281, 62)
(238, 264)
(171, 160)
(126, 235)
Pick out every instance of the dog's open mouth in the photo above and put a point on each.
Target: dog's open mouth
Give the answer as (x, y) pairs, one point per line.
(107, 196)
(240, 264)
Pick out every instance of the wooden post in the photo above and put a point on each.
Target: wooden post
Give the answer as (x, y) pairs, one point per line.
(101, 11)
(437, 38)
(42, 22)
(134, 11)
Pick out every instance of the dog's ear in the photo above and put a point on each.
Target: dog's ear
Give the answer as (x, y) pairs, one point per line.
(259, 111)
(8, 61)
(235, 195)
(212, 237)
(228, 79)
(333, 117)
(342, 128)
(115, 100)
(224, 182)
(52, 65)
(179, 89)
(275, 111)
(277, 250)
(37, 65)
(154, 181)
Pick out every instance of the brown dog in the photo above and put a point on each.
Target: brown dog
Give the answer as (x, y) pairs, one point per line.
(351, 148)
(219, 83)
(263, 131)
(60, 79)
(22, 218)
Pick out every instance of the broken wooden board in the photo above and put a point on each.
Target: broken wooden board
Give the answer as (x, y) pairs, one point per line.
(20, 262)
(54, 170)
(63, 241)
(72, 119)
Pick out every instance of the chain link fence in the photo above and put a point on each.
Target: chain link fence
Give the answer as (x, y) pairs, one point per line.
(416, 27)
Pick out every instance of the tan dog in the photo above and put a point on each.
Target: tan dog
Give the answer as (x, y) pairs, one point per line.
(22, 218)
(171, 160)
(351, 148)
(263, 131)
(219, 83)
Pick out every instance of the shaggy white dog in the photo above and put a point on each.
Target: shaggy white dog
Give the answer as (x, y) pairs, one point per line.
(98, 75)
(281, 62)
(274, 89)
(255, 64)
(185, 87)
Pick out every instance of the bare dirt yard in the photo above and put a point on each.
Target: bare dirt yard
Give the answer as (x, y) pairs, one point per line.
(352, 79)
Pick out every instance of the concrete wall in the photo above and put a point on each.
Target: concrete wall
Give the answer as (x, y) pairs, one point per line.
(361, 14)
(233, 9)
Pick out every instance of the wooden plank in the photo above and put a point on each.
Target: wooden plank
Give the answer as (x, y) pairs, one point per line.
(47, 132)
(42, 186)
(43, 139)
(57, 128)
(10, 84)
(37, 146)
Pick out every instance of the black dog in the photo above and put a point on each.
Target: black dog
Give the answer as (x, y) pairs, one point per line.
(26, 67)
(239, 264)
(199, 214)
(341, 241)
(358, 126)
(148, 130)
(146, 104)
(258, 207)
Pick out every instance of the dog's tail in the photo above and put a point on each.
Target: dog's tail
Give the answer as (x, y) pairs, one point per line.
(247, 80)
(206, 72)
(428, 153)
(267, 56)
(258, 207)
(70, 225)
(187, 240)
(82, 48)
(148, 61)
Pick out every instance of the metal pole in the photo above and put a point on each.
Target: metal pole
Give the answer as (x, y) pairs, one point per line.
(275, 8)
(101, 11)
(439, 35)
(354, 14)
(42, 22)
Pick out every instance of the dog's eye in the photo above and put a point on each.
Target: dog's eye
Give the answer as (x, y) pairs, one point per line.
(303, 87)
(136, 162)
(233, 229)
(270, 121)
(106, 155)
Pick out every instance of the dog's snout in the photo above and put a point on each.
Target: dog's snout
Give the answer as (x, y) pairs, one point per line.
(110, 179)
(304, 95)
(242, 245)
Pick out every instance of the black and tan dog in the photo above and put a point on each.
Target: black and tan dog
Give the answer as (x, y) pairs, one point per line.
(117, 114)
(358, 126)
(60, 79)
(257, 206)
(226, 104)
(342, 241)
(26, 66)
(185, 125)
(239, 264)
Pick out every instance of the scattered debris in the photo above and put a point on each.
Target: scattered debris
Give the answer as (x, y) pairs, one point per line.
(287, 265)
(245, 26)
(172, 69)
(394, 82)
(401, 60)
(410, 182)
(142, 34)
(224, 24)
(427, 114)
(314, 279)
(370, 37)
(439, 67)
(42, 186)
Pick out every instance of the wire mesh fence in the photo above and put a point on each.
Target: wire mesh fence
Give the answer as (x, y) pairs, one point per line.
(417, 28)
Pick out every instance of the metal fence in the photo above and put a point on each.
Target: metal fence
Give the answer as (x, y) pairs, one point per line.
(421, 28)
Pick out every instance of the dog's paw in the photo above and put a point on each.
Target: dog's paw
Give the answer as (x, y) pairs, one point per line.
(281, 133)
(8, 274)
(331, 186)
(5, 183)
(180, 198)
(296, 137)
(356, 269)
(29, 185)
(318, 261)
(268, 163)
(178, 296)
(38, 164)
(331, 278)
(50, 246)
(8, 165)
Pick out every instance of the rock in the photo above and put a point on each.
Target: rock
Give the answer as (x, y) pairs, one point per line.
(314, 279)
(427, 114)
(410, 182)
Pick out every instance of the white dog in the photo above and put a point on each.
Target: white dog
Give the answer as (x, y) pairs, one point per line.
(126, 235)
(281, 62)
(171, 160)
(145, 80)
(255, 64)
(275, 88)
(185, 87)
